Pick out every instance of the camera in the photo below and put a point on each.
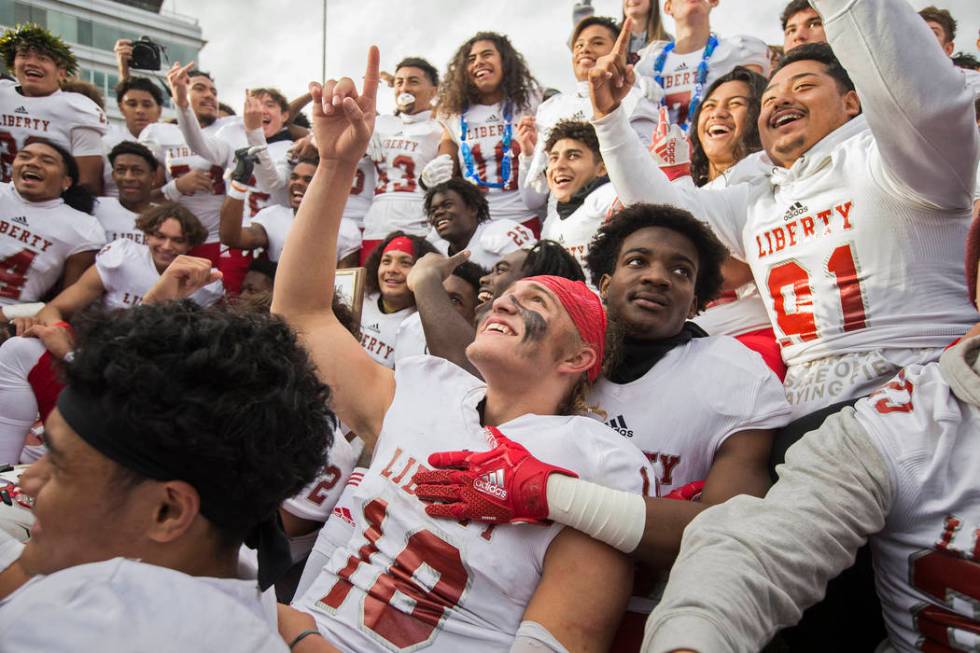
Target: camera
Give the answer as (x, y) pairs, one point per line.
(146, 54)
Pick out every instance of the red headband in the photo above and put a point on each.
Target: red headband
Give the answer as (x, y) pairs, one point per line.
(585, 309)
(402, 244)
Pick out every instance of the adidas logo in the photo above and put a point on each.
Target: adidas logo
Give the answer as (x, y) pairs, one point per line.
(493, 118)
(21, 110)
(618, 424)
(492, 484)
(344, 514)
(20, 219)
(681, 68)
(374, 327)
(796, 210)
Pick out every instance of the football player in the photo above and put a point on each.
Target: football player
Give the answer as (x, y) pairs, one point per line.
(34, 106)
(140, 102)
(801, 24)
(539, 348)
(134, 170)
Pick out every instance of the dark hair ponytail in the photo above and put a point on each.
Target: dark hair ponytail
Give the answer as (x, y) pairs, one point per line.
(76, 196)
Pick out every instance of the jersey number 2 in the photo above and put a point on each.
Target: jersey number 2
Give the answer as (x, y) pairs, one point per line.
(404, 629)
(801, 322)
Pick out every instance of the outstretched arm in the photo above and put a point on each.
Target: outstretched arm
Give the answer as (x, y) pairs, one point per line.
(342, 123)
(216, 151)
(916, 102)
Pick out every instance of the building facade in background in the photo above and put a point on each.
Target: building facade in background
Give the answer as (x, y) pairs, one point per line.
(92, 28)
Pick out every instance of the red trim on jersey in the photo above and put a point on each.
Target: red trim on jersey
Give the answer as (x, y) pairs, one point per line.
(764, 343)
(534, 224)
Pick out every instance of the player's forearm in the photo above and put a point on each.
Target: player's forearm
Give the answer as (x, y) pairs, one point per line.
(230, 222)
(305, 278)
(266, 174)
(916, 102)
(447, 334)
(750, 566)
(211, 149)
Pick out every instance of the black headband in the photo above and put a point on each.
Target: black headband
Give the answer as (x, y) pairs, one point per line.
(104, 431)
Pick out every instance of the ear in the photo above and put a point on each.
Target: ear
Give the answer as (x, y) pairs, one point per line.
(600, 170)
(693, 311)
(668, 8)
(852, 104)
(66, 184)
(604, 286)
(177, 506)
(577, 362)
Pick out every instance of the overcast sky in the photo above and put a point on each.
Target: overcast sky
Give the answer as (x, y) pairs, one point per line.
(260, 43)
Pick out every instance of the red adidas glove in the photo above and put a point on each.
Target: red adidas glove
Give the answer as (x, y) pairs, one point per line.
(689, 492)
(670, 148)
(504, 485)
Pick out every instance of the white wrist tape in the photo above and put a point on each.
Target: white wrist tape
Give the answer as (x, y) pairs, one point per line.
(532, 637)
(236, 191)
(22, 310)
(170, 191)
(611, 516)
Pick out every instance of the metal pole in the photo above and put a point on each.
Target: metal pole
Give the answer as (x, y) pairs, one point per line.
(323, 68)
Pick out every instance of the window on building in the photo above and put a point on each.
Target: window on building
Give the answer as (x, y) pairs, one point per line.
(63, 25)
(7, 12)
(84, 31)
(25, 13)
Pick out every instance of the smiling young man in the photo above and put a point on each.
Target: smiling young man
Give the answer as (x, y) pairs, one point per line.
(592, 38)
(801, 24)
(401, 146)
(460, 215)
(134, 170)
(578, 183)
(855, 237)
(35, 106)
(656, 266)
(270, 226)
(540, 346)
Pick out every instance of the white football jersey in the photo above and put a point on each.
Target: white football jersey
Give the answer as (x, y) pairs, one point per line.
(361, 192)
(643, 114)
(409, 143)
(927, 558)
(475, 580)
(68, 119)
(35, 240)
(117, 221)
(679, 420)
(680, 71)
(492, 241)
(258, 195)
(577, 230)
(741, 310)
(167, 142)
(127, 272)
(115, 135)
(316, 501)
(485, 127)
(162, 609)
(339, 527)
(410, 338)
(276, 220)
(379, 330)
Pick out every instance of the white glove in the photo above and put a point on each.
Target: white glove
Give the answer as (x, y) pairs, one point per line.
(375, 151)
(437, 170)
(670, 148)
(649, 88)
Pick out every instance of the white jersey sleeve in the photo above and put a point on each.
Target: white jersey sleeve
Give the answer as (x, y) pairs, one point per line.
(316, 501)
(410, 338)
(276, 222)
(89, 125)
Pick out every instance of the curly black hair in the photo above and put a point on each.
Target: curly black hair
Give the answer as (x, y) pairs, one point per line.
(551, 257)
(457, 91)
(235, 393)
(750, 134)
(471, 273)
(576, 130)
(608, 241)
(76, 196)
(138, 149)
(471, 195)
(419, 244)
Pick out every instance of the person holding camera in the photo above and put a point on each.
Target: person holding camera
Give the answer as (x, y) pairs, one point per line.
(34, 106)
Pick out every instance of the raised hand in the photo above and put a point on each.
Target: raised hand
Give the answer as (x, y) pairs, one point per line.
(178, 80)
(343, 119)
(56, 338)
(527, 134)
(194, 181)
(252, 112)
(182, 278)
(435, 265)
(611, 79)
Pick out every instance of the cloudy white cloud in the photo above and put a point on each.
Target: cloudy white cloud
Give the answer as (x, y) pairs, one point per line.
(259, 43)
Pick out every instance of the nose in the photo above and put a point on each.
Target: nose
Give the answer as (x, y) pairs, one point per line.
(503, 304)
(656, 274)
(34, 477)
